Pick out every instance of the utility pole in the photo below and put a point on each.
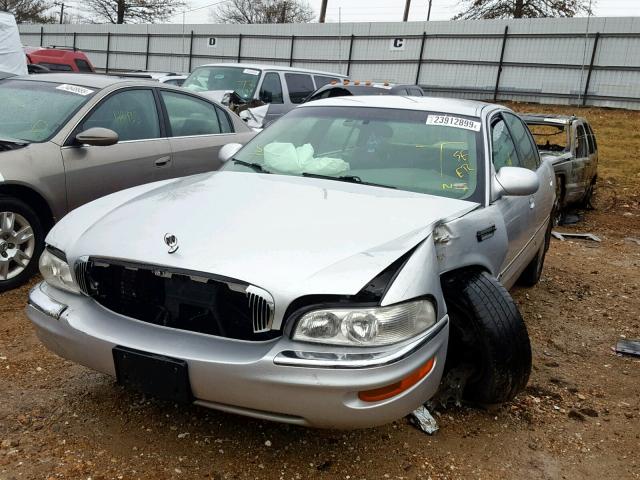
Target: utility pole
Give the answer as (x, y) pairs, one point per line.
(407, 6)
(323, 11)
(429, 11)
(61, 12)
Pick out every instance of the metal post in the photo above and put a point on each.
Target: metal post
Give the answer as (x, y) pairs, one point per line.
(407, 7)
(74, 40)
(593, 57)
(323, 11)
(424, 40)
(293, 40)
(146, 55)
(239, 47)
(190, 50)
(42, 36)
(504, 43)
(108, 49)
(429, 12)
(350, 53)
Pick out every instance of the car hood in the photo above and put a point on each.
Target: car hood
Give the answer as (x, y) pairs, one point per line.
(292, 236)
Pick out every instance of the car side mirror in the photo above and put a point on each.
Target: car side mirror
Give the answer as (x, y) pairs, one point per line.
(227, 152)
(97, 136)
(514, 181)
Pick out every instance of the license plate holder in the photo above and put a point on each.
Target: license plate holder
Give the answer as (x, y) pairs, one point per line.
(159, 376)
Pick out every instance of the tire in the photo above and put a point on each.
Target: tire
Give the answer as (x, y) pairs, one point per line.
(533, 272)
(21, 242)
(488, 333)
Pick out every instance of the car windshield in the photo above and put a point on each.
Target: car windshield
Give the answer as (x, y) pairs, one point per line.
(550, 137)
(410, 150)
(243, 81)
(35, 111)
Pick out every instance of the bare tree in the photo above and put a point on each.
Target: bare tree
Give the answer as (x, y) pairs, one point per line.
(263, 11)
(476, 9)
(29, 11)
(130, 11)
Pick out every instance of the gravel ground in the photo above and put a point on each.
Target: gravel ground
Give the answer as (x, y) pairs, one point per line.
(578, 418)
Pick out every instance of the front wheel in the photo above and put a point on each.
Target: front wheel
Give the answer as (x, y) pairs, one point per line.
(21, 242)
(488, 338)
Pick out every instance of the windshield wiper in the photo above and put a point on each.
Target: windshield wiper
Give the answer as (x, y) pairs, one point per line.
(346, 178)
(12, 143)
(256, 166)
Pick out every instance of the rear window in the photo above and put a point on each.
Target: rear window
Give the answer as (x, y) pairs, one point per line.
(300, 86)
(83, 65)
(321, 80)
(57, 67)
(550, 137)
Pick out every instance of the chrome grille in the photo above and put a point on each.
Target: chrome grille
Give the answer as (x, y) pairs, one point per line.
(80, 271)
(261, 307)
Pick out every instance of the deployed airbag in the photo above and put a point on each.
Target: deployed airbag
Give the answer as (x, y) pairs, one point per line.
(287, 158)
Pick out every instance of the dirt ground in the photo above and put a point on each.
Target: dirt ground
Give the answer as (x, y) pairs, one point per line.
(578, 418)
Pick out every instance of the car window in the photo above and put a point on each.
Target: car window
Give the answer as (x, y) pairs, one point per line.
(416, 92)
(57, 67)
(524, 142)
(83, 65)
(242, 81)
(299, 85)
(581, 142)
(271, 89)
(321, 80)
(503, 148)
(403, 149)
(132, 114)
(590, 139)
(189, 115)
(226, 126)
(34, 111)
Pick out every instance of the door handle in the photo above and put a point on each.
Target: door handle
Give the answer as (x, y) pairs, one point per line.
(532, 202)
(162, 161)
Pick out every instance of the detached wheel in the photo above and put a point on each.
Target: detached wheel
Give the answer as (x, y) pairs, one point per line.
(21, 242)
(488, 339)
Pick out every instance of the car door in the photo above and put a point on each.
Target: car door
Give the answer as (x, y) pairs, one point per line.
(592, 163)
(515, 210)
(142, 154)
(579, 180)
(197, 129)
(271, 93)
(541, 202)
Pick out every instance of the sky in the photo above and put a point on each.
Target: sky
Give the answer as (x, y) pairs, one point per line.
(392, 10)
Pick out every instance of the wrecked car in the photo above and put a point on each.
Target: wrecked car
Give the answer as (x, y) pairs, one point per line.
(569, 143)
(340, 266)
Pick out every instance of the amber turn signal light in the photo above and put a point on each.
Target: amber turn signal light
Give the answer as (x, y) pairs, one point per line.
(382, 393)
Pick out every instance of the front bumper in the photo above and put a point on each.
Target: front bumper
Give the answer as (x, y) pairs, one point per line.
(268, 380)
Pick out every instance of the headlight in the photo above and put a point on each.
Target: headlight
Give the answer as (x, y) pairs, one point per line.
(366, 327)
(56, 272)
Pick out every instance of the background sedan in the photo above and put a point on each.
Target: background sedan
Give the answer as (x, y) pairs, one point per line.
(66, 139)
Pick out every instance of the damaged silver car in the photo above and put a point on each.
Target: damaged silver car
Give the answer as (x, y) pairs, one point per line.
(568, 142)
(341, 267)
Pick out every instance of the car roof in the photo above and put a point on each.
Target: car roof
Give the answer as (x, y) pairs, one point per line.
(455, 106)
(546, 118)
(260, 66)
(84, 80)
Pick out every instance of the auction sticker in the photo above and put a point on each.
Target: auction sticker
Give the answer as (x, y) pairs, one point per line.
(75, 89)
(250, 71)
(457, 122)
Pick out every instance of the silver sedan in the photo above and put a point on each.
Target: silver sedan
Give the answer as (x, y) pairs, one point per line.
(345, 266)
(67, 139)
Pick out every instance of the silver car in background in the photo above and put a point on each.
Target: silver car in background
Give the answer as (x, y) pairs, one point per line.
(67, 139)
(340, 266)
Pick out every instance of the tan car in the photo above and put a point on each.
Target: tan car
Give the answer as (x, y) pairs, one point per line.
(67, 139)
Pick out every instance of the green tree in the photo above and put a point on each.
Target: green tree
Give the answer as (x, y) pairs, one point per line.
(130, 11)
(478, 9)
(29, 11)
(263, 11)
